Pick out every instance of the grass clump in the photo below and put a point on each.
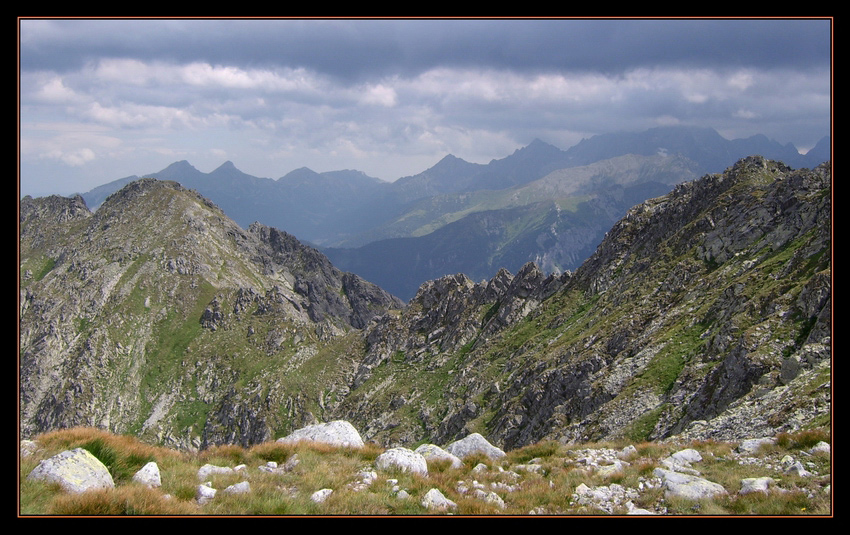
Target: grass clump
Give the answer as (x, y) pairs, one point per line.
(802, 440)
(278, 452)
(125, 500)
(228, 454)
(544, 449)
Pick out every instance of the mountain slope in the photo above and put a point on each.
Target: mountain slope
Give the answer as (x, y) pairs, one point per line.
(153, 314)
(706, 312)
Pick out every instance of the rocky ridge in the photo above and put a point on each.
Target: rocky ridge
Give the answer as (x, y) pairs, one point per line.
(704, 313)
(129, 315)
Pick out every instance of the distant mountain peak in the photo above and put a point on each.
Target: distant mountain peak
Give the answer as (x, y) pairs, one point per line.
(449, 158)
(299, 176)
(537, 148)
(537, 142)
(450, 161)
(182, 164)
(179, 171)
(300, 172)
(226, 165)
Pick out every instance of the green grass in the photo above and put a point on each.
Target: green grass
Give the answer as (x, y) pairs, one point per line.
(122, 465)
(642, 427)
(46, 266)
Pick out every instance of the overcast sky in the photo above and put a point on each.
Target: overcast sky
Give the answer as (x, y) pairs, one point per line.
(105, 99)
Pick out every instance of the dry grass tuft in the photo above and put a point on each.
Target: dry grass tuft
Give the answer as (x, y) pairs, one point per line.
(802, 440)
(125, 500)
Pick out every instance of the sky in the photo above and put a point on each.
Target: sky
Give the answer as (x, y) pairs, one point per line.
(103, 99)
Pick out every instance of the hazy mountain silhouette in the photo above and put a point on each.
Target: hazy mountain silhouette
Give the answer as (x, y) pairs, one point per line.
(349, 209)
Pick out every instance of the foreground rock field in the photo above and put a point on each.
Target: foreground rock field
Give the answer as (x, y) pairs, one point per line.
(320, 472)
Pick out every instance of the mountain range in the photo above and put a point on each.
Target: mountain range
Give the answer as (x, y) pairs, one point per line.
(540, 204)
(704, 313)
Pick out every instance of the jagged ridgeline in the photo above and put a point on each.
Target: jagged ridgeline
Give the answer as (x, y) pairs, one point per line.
(704, 313)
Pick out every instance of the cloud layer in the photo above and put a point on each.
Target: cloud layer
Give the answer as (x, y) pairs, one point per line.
(102, 99)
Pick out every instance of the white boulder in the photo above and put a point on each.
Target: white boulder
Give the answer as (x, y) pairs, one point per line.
(242, 487)
(677, 484)
(434, 499)
(753, 445)
(436, 453)
(208, 469)
(756, 484)
(321, 495)
(336, 433)
(148, 475)
(75, 470)
(820, 447)
(474, 443)
(403, 458)
(204, 494)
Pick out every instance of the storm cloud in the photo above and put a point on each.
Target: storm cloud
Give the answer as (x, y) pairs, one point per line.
(103, 99)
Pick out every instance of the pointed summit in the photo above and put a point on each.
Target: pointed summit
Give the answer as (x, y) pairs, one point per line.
(537, 143)
(298, 176)
(538, 149)
(181, 165)
(450, 174)
(449, 161)
(226, 166)
(229, 171)
(178, 171)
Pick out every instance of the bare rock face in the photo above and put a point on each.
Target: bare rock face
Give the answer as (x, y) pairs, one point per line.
(453, 311)
(686, 322)
(325, 291)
